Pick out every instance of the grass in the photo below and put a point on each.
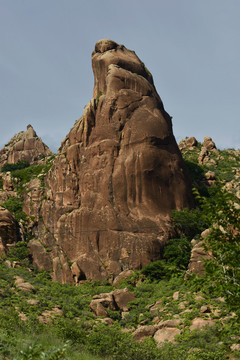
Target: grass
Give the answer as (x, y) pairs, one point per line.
(76, 334)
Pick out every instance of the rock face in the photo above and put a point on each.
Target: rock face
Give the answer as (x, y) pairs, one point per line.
(9, 231)
(117, 176)
(26, 145)
(198, 255)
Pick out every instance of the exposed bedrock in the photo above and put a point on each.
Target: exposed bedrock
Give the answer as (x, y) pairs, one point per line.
(25, 145)
(117, 176)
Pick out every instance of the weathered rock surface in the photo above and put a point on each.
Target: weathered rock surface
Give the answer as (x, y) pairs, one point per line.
(123, 275)
(198, 255)
(118, 175)
(199, 323)
(208, 143)
(9, 230)
(115, 300)
(144, 331)
(25, 145)
(22, 285)
(188, 143)
(166, 333)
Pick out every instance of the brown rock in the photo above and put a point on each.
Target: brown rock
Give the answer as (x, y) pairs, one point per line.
(33, 302)
(191, 142)
(199, 323)
(208, 143)
(41, 258)
(198, 255)
(9, 230)
(122, 276)
(118, 175)
(23, 316)
(98, 308)
(171, 323)
(166, 333)
(204, 156)
(7, 181)
(144, 331)
(210, 178)
(122, 297)
(188, 143)
(176, 295)
(24, 146)
(157, 307)
(210, 175)
(108, 321)
(107, 300)
(235, 347)
(204, 309)
(25, 286)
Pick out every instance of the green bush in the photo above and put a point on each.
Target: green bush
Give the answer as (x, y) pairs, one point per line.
(158, 270)
(177, 252)
(21, 164)
(111, 341)
(14, 205)
(223, 271)
(19, 252)
(189, 223)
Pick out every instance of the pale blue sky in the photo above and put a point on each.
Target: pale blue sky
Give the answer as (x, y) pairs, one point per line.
(191, 48)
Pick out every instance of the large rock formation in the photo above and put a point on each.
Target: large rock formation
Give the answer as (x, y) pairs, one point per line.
(117, 176)
(25, 145)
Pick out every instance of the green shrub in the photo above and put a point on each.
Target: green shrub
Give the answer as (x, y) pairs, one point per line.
(19, 252)
(21, 164)
(111, 341)
(189, 223)
(223, 271)
(14, 205)
(157, 270)
(177, 252)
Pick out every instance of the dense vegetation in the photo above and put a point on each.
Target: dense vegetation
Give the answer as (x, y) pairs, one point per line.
(74, 332)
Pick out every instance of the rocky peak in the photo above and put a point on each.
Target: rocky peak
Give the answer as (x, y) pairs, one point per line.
(109, 57)
(25, 145)
(118, 175)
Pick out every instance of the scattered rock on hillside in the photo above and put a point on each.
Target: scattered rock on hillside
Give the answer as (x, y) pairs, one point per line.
(208, 143)
(22, 285)
(25, 145)
(144, 331)
(210, 178)
(119, 173)
(199, 323)
(166, 333)
(122, 276)
(198, 254)
(115, 300)
(122, 297)
(171, 323)
(188, 143)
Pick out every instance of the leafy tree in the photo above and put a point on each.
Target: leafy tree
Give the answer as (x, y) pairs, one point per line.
(223, 271)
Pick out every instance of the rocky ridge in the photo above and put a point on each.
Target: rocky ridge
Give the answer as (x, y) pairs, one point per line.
(24, 146)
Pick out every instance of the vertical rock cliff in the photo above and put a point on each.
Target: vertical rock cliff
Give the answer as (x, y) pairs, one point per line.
(117, 176)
